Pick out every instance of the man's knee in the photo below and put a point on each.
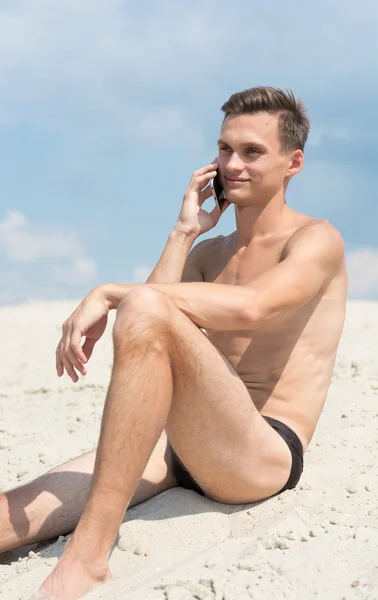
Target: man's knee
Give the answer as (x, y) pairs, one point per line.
(143, 314)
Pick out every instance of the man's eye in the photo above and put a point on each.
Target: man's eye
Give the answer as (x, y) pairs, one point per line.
(225, 149)
(252, 151)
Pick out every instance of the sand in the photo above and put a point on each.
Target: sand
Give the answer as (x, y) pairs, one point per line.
(319, 540)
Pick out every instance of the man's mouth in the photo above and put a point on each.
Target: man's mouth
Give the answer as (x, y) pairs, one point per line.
(235, 180)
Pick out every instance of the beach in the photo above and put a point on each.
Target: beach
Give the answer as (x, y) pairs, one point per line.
(319, 540)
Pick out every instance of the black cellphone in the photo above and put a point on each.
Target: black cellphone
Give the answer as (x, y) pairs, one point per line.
(218, 192)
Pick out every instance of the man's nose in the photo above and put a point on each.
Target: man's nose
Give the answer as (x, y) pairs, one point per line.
(234, 163)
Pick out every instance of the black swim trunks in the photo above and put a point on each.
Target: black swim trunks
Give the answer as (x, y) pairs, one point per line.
(185, 480)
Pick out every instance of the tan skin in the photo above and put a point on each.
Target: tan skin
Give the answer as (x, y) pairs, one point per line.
(273, 361)
(271, 298)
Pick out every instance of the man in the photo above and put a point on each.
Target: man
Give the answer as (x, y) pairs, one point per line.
(230, 413)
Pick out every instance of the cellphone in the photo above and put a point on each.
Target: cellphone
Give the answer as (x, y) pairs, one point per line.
(218, 192)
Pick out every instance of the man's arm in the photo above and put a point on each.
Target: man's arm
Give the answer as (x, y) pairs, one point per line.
(90, 317)
(174, 264)
(175, 260)
(316, 253)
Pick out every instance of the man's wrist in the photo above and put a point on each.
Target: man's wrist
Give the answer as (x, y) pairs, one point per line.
(111, 294)
(183, 233)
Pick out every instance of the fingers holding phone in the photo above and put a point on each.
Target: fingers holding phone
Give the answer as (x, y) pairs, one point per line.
(201, 178)
(205, 194)
(193, 219)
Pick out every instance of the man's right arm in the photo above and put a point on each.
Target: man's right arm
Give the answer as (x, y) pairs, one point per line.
(179, 261)
(176, 264)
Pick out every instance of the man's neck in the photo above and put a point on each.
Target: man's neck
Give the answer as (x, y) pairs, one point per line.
(258, 222)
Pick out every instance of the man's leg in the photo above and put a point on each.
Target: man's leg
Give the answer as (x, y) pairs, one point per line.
(51, 505)
(167, 374)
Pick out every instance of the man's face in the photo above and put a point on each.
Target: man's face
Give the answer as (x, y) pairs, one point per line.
(252, 167)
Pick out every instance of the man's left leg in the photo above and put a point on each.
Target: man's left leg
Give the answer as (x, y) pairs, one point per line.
(51, 505)
(155, 352)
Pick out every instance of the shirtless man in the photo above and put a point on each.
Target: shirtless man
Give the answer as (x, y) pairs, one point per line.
(238, 405)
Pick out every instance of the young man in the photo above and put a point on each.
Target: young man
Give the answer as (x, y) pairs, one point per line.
(230, 413)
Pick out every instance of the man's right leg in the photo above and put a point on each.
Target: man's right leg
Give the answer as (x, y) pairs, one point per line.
(52, 504)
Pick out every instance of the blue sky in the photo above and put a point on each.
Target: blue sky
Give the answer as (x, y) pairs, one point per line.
(106, 108)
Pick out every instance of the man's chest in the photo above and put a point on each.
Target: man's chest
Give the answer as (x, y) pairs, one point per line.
(241, 267)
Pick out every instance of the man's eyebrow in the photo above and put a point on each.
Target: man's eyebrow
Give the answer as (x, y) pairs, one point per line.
(245, 144)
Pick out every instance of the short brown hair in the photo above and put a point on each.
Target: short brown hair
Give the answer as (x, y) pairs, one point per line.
(294, 124)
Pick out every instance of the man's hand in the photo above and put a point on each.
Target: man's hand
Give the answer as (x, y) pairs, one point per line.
(89, 320)
(193, 219)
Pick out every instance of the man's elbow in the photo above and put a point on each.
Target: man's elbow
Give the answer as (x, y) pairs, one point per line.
(252, 316)
(261, 314)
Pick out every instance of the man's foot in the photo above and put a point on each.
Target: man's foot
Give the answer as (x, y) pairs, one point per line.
(72, 578)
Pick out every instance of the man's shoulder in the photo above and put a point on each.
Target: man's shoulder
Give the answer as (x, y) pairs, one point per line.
(206, 246)
(199, 256)
(318, 236)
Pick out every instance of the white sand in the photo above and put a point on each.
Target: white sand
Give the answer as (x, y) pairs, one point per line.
(319, 540)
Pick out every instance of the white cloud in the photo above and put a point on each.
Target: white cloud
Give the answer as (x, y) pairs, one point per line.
(110, 75)
(320, 134)
(91, 64)
(170, 126)
(79, 271)
(22, 242)
(111, 79)
(362, 266)
(27, 249)
(113, 67)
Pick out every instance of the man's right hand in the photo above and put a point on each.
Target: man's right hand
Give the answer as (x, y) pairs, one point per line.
(193, 220)
(89, 320)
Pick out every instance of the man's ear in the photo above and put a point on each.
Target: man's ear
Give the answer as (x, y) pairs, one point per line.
(296, 163)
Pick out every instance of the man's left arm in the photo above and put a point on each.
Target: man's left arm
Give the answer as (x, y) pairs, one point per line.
(315, 255)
